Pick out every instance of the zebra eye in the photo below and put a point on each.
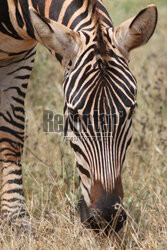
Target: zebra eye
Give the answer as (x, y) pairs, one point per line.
(72, 111)
(73, 115)
(133, 107)
(132, 110)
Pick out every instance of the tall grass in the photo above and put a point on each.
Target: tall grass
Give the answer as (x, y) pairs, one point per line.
(50, 175)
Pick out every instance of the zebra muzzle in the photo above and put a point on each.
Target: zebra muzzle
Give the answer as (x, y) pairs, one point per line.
(105, 220)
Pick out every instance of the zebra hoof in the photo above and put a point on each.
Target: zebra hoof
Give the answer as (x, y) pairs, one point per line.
(18, 221)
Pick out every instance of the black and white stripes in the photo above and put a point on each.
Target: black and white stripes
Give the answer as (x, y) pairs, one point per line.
(99, 92)
(100, 95)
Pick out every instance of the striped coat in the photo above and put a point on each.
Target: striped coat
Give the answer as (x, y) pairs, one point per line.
(99, 94)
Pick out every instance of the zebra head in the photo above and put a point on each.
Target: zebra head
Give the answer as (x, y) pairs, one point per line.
(100, 96)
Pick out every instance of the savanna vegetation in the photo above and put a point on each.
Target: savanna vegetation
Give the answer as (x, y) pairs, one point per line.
(50, 177)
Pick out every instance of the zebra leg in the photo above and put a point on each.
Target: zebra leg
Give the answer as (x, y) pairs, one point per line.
(13, 84)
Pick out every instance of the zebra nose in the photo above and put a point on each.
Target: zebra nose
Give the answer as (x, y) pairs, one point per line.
(112, 219)
(102, 219)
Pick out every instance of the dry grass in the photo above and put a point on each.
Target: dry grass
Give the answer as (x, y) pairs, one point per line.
(49, 167)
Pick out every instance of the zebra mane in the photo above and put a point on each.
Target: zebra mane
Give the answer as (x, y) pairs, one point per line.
(97, 19)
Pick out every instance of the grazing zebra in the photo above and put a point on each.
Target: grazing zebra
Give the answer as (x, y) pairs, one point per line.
(99, 95)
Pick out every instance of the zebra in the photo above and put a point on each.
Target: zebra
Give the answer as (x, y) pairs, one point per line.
(99, 95)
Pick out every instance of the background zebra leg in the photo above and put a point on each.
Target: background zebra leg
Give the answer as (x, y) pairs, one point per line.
(13, 89)
(12, 197)
(11, 145)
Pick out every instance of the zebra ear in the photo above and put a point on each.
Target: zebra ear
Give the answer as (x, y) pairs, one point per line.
(136, 31)
(56, 37)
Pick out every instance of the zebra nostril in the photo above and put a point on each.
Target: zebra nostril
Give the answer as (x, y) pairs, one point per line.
(121, 218)
(117, 206)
